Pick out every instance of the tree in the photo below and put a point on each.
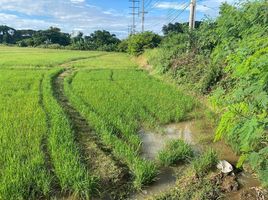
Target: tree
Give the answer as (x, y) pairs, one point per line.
(139, 42)
(103, 39)
(173, 28)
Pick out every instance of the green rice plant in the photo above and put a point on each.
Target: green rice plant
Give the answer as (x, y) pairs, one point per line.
(23, 167)
(164, 101)
(111, 103)
(72, 174)
(107, 60)
(117, 112)
(175, 151)
(205, 162)
(143, 171)
(38, 58)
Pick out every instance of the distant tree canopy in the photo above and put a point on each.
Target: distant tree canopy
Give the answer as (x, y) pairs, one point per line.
(99, 40)
(178, 27)
(53, 37)
(8, 35)
(173, 28)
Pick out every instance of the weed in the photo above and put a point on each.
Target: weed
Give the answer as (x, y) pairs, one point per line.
(175, 151)
(205, 162)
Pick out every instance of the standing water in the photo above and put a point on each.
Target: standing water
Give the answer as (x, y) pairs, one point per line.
(200, 138)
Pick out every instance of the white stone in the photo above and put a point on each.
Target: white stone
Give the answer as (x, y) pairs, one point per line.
(225, 166)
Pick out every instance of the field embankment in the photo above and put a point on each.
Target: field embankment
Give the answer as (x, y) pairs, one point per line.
(226, 62)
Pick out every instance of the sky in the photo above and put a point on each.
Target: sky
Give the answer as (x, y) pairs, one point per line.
(90, 15)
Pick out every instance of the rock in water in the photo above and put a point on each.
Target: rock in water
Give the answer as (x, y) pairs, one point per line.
(225, 166)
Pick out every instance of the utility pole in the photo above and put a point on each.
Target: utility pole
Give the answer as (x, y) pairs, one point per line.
(192, 14)
(143, 12)
(134, 13)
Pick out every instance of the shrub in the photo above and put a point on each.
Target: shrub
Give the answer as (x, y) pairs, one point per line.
(123, 46)
(139, 42)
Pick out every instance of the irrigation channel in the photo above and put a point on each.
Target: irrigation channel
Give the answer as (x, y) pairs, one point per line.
(189, 131)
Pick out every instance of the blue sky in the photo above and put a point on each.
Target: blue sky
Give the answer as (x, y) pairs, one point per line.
(89, 15)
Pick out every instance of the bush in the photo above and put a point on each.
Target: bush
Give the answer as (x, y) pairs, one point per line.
(123, 46)
(244, 120)
(175, 151)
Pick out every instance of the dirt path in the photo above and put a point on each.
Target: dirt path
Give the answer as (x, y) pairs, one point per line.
(95, 155)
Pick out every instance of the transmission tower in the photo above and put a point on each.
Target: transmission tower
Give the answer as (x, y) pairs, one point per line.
(143, 12)
(134, 12)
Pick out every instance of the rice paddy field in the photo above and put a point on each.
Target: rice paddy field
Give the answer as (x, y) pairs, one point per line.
(70, 122)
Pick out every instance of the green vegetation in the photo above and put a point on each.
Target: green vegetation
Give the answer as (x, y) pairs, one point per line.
(40, 154)
(106, 60)
(14, 57)
(137, 43)
(227, 59)
(205, 162)
(23, 171)
(115, 98)
(175, 151)
(116, 113)
(53, 38)
(71, 173)
(195, 181)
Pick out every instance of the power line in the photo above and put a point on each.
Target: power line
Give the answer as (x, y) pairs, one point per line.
(148, 5)
(134, 13)
(143, 12)
(177, 16)
(171, 18)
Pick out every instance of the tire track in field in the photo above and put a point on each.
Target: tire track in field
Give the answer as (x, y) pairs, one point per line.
(56, 189)
(97, 157)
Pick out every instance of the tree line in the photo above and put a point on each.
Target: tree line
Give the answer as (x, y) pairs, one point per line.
(101, 40)
(55, 38)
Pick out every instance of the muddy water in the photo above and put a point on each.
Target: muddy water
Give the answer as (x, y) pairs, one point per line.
(194, 133)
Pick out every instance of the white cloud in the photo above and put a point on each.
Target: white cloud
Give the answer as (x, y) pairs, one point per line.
(202, 6)
(77, 1)
(80, 15)
(68, 15)
(170, 5)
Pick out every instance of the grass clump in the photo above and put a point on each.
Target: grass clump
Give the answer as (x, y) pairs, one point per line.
(175, 151)
(205, 162)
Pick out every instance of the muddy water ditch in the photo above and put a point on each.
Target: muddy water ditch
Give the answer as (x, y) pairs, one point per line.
(194, 133)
